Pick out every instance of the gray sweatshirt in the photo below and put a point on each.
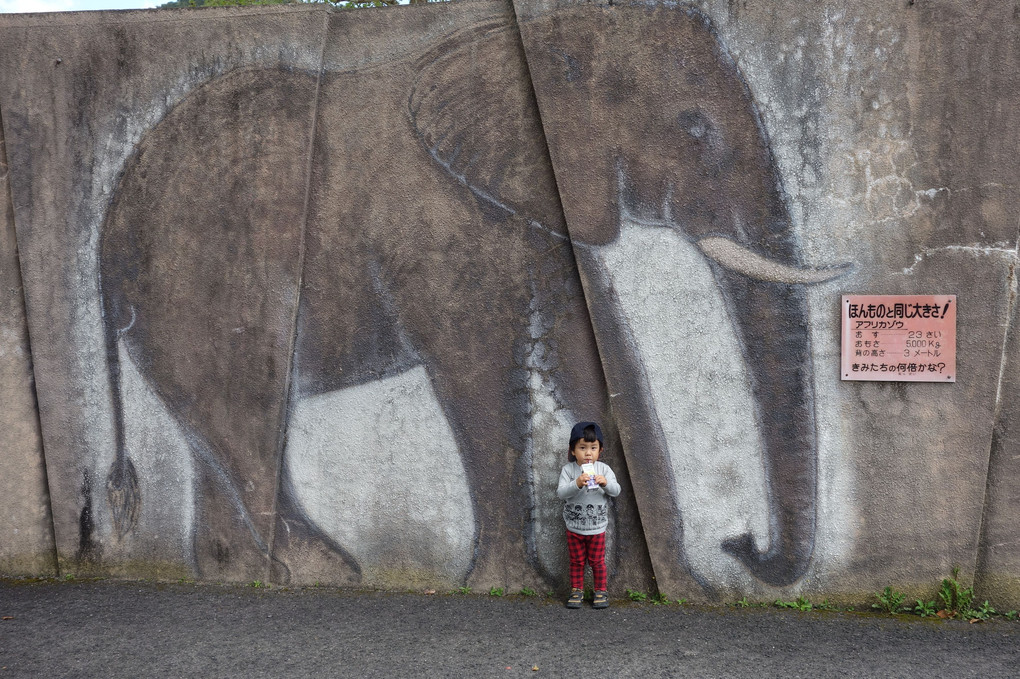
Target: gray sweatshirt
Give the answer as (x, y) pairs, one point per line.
(586, 510)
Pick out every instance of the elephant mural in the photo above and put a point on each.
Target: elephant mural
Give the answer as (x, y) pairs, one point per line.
(443, 240)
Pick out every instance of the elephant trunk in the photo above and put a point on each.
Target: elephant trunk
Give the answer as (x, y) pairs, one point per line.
(771, 323)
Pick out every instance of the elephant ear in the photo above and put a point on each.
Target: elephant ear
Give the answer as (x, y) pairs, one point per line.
(475, 113)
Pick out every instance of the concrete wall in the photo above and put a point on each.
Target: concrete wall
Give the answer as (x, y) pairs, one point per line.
(316, 295)
(26, 530)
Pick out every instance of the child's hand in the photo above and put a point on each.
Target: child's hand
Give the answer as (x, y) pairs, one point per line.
(582, 479)
(601, 480)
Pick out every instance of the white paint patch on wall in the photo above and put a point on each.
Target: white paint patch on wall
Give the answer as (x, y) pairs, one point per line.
(547, 446)
(550, 429)
(377, 468)
(166, 476)
(700, 393)
(548, 440)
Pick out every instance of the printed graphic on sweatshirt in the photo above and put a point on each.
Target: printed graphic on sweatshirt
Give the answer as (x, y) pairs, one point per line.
(588, 516)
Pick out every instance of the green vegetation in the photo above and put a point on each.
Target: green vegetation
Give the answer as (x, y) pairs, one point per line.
(636, 595)
(924, 609)
(177, 4)
(801, 604)
(496, 591)
(463, 590)
(527, 591)
(889, 600)
(956, 600)
(982, 612)
(826, 606)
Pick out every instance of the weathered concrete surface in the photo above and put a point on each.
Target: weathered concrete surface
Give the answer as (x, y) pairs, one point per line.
(998, 560)
(398, 418)
(177, 470)
(90, 87)
(26, 530)
(971, 51)
(869, 86)
(896, 132)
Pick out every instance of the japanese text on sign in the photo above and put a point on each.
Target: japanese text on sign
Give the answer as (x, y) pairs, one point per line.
(910, 338)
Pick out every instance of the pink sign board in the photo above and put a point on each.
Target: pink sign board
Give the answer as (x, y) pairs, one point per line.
(899, 338)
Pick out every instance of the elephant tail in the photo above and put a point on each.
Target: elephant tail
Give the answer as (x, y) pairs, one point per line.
(122, 493)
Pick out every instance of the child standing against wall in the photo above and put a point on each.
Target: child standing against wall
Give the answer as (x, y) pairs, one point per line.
(585, 487)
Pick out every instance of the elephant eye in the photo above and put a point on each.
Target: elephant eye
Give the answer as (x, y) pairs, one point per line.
(694, 123)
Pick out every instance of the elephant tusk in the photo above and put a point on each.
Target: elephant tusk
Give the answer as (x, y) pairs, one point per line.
(736, 257)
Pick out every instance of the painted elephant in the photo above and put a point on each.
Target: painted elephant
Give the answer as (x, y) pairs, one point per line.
(240, 276)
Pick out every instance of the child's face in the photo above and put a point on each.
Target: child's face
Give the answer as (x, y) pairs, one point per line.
(586, 451)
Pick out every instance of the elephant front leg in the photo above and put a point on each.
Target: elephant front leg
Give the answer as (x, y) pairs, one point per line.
(487, 409)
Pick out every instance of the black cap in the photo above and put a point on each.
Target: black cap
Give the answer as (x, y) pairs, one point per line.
(577, 433)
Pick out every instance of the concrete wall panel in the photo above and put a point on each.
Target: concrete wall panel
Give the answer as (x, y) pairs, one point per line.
(853, 105)
(998, 561)
(89, 89)
(865, 110)
(26, 530)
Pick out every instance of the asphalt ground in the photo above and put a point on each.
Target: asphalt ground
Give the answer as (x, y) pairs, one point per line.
(132, 629)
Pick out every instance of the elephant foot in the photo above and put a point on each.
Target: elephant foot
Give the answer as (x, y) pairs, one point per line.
(229, 556)
(501, 568)
(773, 566)
(301, 556)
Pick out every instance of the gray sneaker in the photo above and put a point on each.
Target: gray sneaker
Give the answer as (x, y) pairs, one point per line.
(601, 599)
(576, 598)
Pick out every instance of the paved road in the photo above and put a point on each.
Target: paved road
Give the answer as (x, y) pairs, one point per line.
(125, 629)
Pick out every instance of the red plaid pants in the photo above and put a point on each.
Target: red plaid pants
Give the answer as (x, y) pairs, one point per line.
(592, 548)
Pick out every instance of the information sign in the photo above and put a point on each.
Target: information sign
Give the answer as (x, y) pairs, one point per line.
(899, 338)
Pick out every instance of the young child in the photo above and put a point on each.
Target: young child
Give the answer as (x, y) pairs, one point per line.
(585, 487)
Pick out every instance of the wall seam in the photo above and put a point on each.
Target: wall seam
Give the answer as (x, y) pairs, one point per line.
(285, 407)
